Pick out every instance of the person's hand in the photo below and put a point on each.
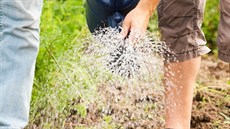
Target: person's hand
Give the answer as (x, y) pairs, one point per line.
(136, 21)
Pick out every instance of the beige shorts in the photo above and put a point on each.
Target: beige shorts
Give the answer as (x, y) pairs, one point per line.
(180, 25)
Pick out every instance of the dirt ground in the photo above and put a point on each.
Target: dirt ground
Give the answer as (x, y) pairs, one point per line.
(211, 103)
(142, 108)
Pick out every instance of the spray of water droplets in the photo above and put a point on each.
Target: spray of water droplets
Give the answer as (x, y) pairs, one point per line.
(128, 77)
(141, 57)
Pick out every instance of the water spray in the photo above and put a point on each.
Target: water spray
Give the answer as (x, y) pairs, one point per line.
(136, 65)
(125, 57)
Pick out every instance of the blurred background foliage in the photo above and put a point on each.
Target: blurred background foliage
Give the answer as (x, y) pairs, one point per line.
(210, 24)
(62, 22)
(62, 25)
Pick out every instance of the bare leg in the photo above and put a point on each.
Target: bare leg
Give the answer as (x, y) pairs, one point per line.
(179, 81)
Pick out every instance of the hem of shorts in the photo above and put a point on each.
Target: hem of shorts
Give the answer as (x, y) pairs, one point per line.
(181, 57)
(224, 57)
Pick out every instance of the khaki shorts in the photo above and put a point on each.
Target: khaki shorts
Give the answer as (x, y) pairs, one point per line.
(180, 25)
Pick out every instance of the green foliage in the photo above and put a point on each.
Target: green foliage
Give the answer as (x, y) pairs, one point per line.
(64, 16)
(63, 85)
(210, 24)
(108, 123)
(61, 22)
(81, 110)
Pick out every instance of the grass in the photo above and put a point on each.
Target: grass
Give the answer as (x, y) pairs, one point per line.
(62, 24)
(63, 82)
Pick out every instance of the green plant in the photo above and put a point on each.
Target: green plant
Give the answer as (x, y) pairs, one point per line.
(61, 22)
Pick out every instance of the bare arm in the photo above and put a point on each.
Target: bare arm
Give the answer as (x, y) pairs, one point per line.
(138, 18)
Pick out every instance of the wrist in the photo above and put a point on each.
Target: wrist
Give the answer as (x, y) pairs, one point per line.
(148, 6)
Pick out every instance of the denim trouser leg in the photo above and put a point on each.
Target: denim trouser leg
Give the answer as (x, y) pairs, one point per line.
(19, 42)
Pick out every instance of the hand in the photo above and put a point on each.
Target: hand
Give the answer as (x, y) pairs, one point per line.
(136, 21)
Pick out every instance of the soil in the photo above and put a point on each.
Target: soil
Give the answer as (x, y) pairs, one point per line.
(143, 109)
(211, 103)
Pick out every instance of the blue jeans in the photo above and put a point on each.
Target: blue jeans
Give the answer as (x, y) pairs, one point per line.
(19, 42)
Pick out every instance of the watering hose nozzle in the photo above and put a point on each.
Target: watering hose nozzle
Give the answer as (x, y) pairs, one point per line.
(115, 21)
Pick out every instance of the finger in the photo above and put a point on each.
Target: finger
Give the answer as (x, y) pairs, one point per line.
(125, 28)
(132, 35)
(135, 35)
(124, 32)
